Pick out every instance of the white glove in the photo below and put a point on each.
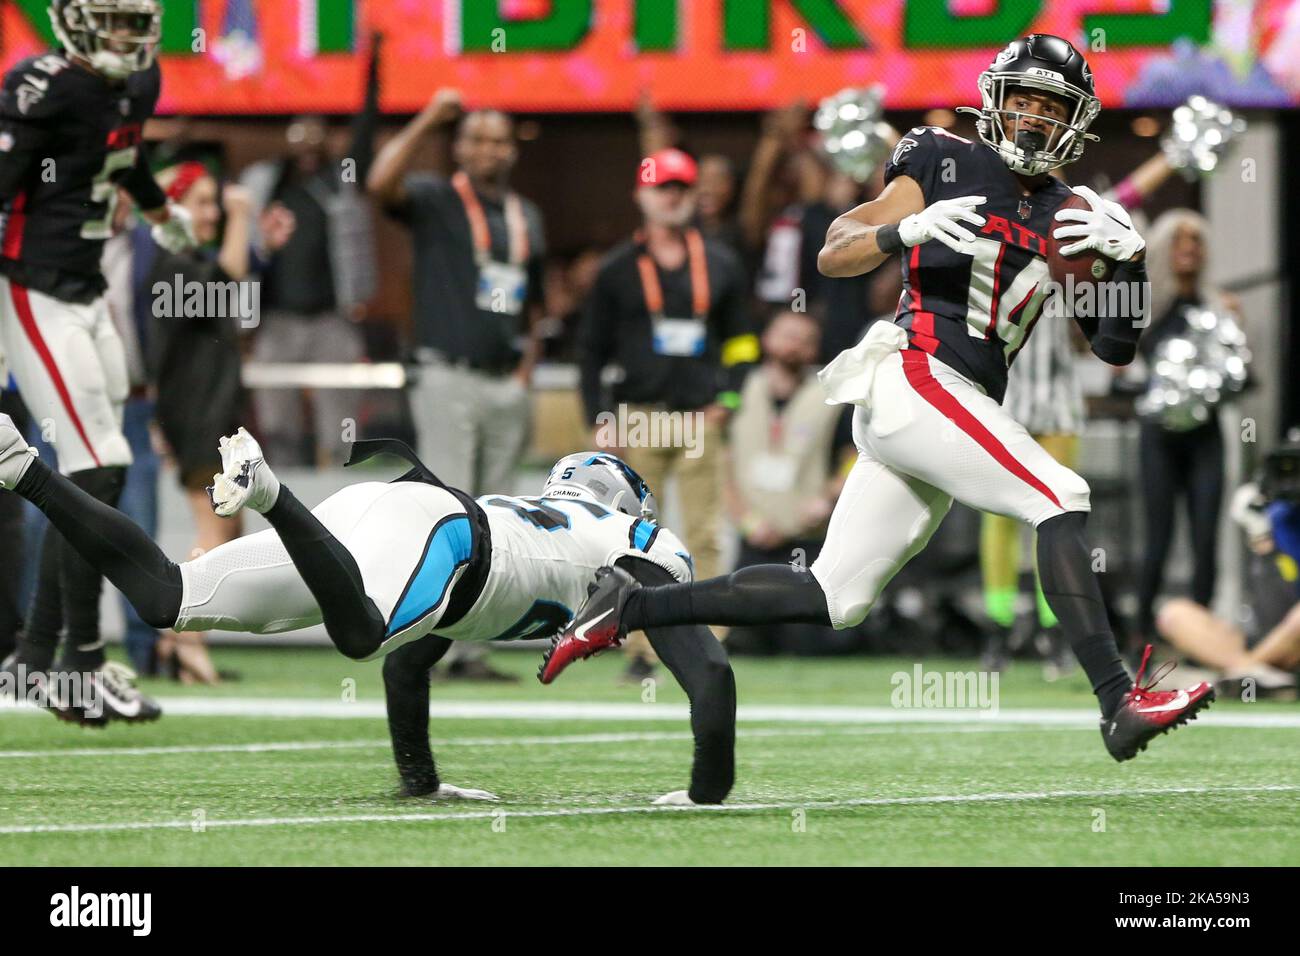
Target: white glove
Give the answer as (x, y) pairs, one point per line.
(446, 791)
(941, 220)
(1106, 227)
(177, 233)
(1247, 509)
(678, 798)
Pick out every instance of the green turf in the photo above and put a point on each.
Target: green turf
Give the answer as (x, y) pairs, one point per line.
(810, 772)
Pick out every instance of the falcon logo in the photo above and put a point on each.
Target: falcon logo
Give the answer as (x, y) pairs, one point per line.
(28, 96)
(904, 145)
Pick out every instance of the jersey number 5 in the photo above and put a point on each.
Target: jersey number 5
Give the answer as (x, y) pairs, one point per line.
(104, 190)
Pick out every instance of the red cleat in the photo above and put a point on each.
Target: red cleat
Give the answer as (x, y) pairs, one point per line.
(596, 627)
(1148, 713)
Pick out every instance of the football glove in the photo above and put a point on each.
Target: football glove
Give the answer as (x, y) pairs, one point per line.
(942, 220)
(446, 791)
(176, 234)
(1105, 228)
(678, 798)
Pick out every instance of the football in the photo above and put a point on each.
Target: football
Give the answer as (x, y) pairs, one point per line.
(1085, 266)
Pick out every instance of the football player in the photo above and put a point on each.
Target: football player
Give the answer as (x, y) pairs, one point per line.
(71, 124)
(970, 221)
(411, 564)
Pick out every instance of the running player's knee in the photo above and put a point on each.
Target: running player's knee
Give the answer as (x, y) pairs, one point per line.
(1073, 492)
(849, 602)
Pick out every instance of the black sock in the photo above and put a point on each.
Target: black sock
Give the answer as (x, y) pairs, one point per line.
(82, 582)
(351, 618)
(45, 616)
(1073, 594)
(108, 541)
(759, 594)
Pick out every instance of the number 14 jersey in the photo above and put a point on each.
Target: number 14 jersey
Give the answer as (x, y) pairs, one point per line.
(973, 310)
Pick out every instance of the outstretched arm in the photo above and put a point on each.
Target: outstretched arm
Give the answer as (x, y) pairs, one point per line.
(406, 689)
(697, 660)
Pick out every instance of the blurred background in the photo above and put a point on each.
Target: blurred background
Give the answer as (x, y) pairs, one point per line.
(335, 129)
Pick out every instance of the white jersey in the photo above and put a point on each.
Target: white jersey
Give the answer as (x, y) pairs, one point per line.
(545, 551)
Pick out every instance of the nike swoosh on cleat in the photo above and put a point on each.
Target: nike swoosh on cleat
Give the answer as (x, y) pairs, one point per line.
(1180, 701)
(581, 633)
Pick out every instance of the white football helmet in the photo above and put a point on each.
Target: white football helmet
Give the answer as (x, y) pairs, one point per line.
(601, 478)
(116, 37)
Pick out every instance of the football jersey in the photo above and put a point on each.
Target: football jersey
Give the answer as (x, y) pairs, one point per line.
(545, 551)
(67, 135)
(974, 310)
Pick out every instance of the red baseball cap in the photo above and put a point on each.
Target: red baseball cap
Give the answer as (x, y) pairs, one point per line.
(666, 166)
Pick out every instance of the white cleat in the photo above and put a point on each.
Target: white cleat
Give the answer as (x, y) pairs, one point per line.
(246, 480)
(15, 454)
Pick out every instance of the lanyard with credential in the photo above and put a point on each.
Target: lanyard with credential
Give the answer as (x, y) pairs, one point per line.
(516, 225)
(654, 295)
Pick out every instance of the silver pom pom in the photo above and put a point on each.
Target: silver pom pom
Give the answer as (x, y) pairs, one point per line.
(1199, 136)
(853, 136)
(1194, 372)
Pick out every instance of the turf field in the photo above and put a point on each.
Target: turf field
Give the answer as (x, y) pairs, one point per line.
(291, 766)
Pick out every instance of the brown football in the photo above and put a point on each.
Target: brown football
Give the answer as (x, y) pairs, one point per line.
(1086, 266)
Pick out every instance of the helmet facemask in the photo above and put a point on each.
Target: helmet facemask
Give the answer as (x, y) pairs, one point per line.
(116, 37)
(1032, 152)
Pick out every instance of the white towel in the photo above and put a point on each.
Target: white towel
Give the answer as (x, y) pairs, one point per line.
(847, 379)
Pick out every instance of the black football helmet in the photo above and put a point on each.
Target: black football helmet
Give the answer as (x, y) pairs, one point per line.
(1043, 63)
(116, 37)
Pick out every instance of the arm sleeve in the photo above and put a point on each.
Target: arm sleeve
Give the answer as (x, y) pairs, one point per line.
(700, 665)
(1114, 333)
(139, 182)
(918, 156)
(596, 342)
(406, 691)
(26, 128)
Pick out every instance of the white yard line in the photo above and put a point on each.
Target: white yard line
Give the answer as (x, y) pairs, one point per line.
(502, 812)
(291, 746)
(583, 710)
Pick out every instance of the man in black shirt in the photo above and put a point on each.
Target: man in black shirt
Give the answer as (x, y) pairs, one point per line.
(669, 309)
(477, 284)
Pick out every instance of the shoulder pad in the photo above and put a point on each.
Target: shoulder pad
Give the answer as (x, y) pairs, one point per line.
(36, 88)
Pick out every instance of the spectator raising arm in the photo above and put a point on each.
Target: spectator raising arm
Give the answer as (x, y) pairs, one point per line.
(386, 179)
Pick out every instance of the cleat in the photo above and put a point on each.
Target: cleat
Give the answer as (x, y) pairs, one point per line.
(246, 480)
(1147, 713)
(117, 698)
(15, 454)
(595, 628)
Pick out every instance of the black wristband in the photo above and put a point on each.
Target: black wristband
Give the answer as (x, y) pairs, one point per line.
(887, 238)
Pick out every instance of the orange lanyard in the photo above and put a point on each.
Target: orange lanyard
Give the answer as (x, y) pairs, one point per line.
(516, 226)
(654, 293)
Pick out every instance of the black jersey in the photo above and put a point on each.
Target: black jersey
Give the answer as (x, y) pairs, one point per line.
(974, 311)
(68, 137)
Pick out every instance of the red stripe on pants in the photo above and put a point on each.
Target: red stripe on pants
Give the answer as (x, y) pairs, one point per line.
(28, 321)
(916, 366)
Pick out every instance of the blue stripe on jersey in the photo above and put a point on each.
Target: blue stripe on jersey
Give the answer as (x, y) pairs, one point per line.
(642, 534)
(448, 548)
